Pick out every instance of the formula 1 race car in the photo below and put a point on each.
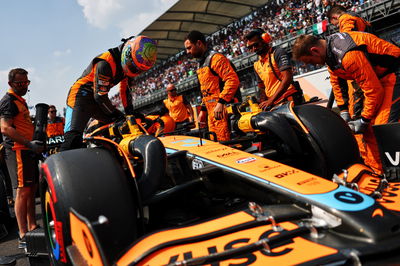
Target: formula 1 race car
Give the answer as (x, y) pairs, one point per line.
(134, 199)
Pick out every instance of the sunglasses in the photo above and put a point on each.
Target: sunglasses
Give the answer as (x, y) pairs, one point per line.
(53, 111)
(22, 83)
(172, 90)
(254, 45)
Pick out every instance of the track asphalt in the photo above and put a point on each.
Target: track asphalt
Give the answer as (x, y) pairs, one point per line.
(10, 254)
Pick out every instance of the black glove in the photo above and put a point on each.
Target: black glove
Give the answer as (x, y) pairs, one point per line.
(36, 146)
(358, 126)
(345, 115)
(117, 115)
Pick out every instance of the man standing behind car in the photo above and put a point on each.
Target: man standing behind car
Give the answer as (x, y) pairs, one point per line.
(179, 109)
(218, 84)
(22, 163)
(274, 71)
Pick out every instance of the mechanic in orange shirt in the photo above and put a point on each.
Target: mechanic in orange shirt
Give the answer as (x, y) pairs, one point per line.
(374, 64)
(351, 93)
(88, 96)
(160, 122)
(347, 20)
(20, 149)
(179, 109)
(55, 124)
(273, 69)
(218, 84)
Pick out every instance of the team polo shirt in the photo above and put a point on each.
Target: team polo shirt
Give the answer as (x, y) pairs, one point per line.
(14, 107)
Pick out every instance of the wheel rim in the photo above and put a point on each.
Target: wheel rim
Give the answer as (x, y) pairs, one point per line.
(50, 220)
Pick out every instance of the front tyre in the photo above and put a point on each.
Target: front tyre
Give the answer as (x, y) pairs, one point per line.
(93, 183)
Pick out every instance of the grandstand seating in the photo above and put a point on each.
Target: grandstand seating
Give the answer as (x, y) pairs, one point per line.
(177, 72)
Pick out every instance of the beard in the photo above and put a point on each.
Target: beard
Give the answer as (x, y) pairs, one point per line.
(262, 50)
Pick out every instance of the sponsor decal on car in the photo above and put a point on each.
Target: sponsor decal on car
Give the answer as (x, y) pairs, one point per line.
(291, 251)
(197, 164)
(227, 154)
(212, 150)
(287, 173)
(246, 160)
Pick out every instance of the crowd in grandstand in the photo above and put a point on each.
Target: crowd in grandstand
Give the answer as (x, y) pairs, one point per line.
(279, 18)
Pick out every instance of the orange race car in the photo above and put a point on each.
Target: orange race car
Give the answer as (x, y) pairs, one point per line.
(133, 199)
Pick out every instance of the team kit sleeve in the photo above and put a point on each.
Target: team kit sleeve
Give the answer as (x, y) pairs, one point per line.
(341, 96)
(222, 66)
(8, 109)
(102, 85)
(347, 23)
(357, 64)
(126, 97)
(282, 59)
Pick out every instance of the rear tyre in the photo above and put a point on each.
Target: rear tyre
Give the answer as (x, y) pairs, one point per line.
(93, 183)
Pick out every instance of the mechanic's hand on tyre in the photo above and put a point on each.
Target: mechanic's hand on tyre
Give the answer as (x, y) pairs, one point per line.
(358, 126)
(36, 146)
(345, 115)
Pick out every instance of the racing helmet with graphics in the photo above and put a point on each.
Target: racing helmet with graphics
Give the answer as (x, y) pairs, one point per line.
(138, 55)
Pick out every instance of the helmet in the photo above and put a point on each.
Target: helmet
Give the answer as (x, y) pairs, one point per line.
(138, 55)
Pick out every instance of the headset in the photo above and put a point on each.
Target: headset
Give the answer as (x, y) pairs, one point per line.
(264, 35)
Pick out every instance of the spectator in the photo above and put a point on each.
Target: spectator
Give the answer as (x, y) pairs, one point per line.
(375, 68)
(88, 96)
(179, 108)
(17, 129)
(214, 69)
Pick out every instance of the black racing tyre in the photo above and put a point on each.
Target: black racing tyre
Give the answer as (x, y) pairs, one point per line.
(333, 138)
(93, 183)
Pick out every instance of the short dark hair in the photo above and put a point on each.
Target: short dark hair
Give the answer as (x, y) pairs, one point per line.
(255, 32)
(52, 106)
(195, 36)
(335, 10)
(14, 72)
(303, 44)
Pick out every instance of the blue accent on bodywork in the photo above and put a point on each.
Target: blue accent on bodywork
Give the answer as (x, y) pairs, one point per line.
(342, 198)
(190, 142)
(68, 119)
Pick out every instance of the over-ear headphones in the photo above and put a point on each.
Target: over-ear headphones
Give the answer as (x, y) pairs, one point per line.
(264, 35)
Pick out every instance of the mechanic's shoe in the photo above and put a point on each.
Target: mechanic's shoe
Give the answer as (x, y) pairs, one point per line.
(22, 243)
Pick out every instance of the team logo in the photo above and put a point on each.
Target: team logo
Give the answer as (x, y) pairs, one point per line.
(348, 197)
(246, 160)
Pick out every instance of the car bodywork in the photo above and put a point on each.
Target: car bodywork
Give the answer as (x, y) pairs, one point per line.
(133, 199)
